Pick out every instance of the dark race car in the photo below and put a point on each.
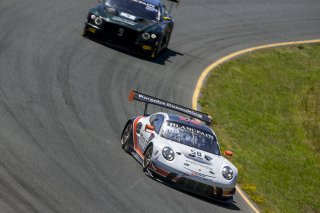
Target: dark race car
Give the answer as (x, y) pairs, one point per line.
(143, 26)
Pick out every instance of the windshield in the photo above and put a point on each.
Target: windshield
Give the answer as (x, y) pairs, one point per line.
(136, 7)
(190, 136)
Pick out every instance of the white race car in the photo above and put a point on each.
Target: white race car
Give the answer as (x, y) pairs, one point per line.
(181, 152)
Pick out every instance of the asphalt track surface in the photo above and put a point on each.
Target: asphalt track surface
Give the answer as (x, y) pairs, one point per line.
(63, 99)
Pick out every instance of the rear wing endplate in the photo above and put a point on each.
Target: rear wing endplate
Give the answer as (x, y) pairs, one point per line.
(134, 95)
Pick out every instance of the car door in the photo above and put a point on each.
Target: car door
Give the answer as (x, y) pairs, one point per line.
(146, 134)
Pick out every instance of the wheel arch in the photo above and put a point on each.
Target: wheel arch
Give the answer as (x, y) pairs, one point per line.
(145, 150)
(128, 122)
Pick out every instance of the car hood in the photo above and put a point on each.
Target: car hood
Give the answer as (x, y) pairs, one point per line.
(196, 164)
(198, 161)
(139, 24)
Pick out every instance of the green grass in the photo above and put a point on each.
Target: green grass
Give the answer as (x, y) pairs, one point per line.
(265, 107)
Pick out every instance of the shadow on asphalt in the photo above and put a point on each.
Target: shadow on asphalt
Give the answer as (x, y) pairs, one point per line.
(230, 205)
(162, 58)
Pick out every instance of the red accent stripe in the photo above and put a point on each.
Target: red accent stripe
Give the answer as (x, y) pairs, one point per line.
(159, 171)
(162, 172)
(135, 138)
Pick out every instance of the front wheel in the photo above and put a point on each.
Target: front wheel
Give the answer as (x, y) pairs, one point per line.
(147, 158)
(167, 42)
(126, 137)
(85, 32)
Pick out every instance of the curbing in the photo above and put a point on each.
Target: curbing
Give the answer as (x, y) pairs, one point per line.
(224, 59)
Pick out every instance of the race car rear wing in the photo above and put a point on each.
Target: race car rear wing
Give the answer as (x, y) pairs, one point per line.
(133, 95)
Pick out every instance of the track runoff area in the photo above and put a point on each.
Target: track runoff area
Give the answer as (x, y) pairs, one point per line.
(224, 59)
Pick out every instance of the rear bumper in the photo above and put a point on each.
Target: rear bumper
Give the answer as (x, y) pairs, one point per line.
(186, 183)
(110, 38)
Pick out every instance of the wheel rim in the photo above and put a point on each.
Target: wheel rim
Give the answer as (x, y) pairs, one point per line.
(126, 135)
(147, 158)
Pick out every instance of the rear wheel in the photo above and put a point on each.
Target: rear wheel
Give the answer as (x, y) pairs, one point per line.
(147, 158)
(167, 42)
(126, 137)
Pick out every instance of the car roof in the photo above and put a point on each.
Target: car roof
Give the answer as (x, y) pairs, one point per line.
(189, 122)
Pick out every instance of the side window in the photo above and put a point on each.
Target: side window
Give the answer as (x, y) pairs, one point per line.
(156, 121)
(139, 125)
(152, 118)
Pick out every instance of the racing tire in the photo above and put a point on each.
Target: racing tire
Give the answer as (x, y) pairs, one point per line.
(85, 33)
(147, 160)
(154, 55)
(126, 137)
(167, 42)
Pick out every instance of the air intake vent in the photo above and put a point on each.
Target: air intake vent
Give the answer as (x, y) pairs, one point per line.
(208, 158)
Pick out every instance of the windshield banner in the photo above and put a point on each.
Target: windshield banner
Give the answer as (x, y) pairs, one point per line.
(189, 129)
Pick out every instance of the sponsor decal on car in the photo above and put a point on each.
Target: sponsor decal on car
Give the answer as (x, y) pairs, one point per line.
(199, 164)
(167, 104)
(129, 16)
(149, 6)
(190, 129)
(200, 175)
(126, 21)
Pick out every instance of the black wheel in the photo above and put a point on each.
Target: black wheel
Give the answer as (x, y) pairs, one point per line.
(147, 159)
(126, 137)
(167, 42)
(84, 32)
(155, 53)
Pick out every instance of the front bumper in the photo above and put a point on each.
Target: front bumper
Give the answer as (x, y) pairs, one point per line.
(109, 34)
(187, 183)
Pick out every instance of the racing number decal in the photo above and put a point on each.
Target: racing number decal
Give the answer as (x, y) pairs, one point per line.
(120, 32)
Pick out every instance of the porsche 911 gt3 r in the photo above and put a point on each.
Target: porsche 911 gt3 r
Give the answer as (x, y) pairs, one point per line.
(144, 26)
(179, 151)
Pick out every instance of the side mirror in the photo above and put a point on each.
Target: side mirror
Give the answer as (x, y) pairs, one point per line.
(228, 154)
(149, 127)
(166, 18)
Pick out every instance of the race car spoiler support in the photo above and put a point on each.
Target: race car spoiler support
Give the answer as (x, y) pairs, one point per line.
(133, 95)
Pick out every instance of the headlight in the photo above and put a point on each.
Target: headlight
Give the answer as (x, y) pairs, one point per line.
(227, 173)
(145, 36)
(168, 153)
(98, 20)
